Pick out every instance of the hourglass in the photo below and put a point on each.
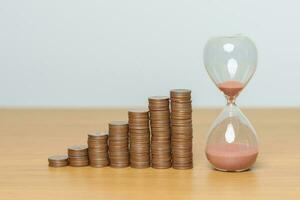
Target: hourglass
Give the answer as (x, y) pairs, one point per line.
(232, 142)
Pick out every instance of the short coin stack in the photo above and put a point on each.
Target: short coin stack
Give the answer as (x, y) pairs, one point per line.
(78, 156)
(98, 149)
(160, 132)
(182, 130)
(139, 138)
(58, 161)
(118, 144)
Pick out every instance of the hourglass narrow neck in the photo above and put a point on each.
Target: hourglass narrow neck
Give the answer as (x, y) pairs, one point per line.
(230, 100)
(231, 89)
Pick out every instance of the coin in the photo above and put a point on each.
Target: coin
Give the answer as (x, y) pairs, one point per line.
(137, 111)
(160, 131)
(78, 150)
(78, 155)
(79, 164)
(118, 124)
(182, 129)
(98, 149)
(139, 137)
(118, 144)
(98, 135)
(58, 160)
(180, 93)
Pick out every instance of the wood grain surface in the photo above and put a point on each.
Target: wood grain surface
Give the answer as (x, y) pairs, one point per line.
(28, 137)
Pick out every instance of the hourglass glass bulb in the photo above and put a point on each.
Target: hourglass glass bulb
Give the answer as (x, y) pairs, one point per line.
(232, 142)
(230, 62)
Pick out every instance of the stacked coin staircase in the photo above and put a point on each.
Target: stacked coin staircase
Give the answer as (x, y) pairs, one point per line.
(159, 137)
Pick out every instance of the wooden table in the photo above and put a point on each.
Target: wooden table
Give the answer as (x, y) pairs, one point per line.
(28, 137)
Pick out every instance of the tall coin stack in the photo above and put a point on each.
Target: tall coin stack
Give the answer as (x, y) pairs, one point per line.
(78, 156)
(139, 138)
(182, 130)
(160, 132)
(118, 144)
(98, 149)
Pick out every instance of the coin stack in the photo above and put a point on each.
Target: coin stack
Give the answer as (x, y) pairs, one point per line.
(160, 132)
(139, 138)
(98, 149)
(182, 130)
(78, 156)
(118, 144)
(58, 161)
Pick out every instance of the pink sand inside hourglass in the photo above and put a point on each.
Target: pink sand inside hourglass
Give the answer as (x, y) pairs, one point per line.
(231, 88)
(231, 157)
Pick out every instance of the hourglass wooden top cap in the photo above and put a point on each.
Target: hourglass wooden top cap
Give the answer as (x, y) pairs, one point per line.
(230, 58)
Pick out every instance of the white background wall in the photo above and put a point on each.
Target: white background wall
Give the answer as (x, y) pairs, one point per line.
(119, 52)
